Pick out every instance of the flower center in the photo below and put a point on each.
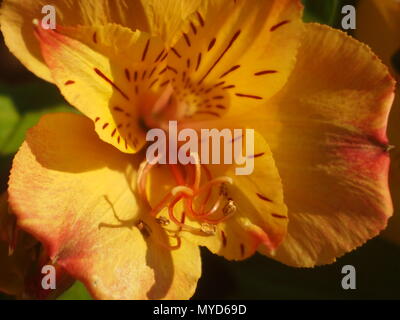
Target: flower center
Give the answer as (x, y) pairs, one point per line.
(194, 186)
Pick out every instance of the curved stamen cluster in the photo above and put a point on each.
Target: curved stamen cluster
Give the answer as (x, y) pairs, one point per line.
(188, 189)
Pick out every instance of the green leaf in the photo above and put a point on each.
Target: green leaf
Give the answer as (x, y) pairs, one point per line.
(21, 108)
(326, 12)
(8, 119)
(76, 292)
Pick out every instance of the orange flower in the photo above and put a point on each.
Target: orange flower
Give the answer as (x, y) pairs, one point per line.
(318, 99)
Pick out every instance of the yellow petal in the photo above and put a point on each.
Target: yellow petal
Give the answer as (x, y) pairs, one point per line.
(327, 132)
(17, 27)
(167, 17)
(109, 73)
(235, 54)
(75, 194)
(260, 217)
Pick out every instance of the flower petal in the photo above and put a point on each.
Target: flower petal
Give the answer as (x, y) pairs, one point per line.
(235, 53)
(327, 131)
(109, 73)
(167, 17)
(75, 194)
(260, 217)
(18, 31)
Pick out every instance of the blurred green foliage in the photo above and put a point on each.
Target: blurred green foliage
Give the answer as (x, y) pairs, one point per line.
(322, 11)
(76, 292)
(21, 108)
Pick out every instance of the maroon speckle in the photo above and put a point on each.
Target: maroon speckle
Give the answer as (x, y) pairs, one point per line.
(224, 239)
(127, 75)
(105, 125)
(118, 109)
(153, 83)
(193, 28)
(198, 61)
(104, 77)
(163, 70)
(257, 155)
(152, 72)
(265, 72)
(262, 197)
(234, 38)
(165, 57)
(187, 39)
(165, 83)
(69, 82)
(229, 71)
(172, 69)
(241, 95)
(242, 251)
(212, 43)
(183, 217)
(176, 52)
(146, 49)
(159, 56)
(201, 20)
(280, 24)
(278, 216)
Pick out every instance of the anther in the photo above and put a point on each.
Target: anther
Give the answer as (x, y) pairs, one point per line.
(230, 208)
(208, 229)
(144, 228)
(162, 221)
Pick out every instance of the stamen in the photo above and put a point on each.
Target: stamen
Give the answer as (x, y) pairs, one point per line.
(163, 221)
(216, 181)
(188, 188)
(197, 176)
(208, 229)
(182, 189)
(141, 179)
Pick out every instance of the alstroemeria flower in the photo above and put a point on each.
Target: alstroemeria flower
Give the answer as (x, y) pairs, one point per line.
(82, 186)
(383, 37)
